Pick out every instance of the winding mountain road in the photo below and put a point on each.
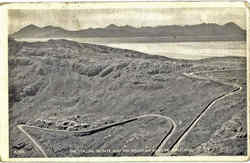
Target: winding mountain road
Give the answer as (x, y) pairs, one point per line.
(158, 151)
(92, 131)
(237, 89)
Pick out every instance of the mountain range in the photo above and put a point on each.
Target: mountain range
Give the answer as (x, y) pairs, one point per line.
(199, 32)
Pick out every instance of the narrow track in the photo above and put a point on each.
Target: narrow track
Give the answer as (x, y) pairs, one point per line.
(36, 145)
(237, 89)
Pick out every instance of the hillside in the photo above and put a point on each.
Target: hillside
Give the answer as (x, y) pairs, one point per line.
(70, 97)
(199, 32)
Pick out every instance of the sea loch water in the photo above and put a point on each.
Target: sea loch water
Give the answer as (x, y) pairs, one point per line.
(181, 50)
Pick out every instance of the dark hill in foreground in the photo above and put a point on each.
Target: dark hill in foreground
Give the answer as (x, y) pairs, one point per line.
(66, 85)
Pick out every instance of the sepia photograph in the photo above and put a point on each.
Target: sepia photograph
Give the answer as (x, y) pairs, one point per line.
(127, 81)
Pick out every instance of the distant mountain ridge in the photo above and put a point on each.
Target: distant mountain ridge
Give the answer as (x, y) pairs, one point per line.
(202, 32)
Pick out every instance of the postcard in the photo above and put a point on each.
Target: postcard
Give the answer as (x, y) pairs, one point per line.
(124, 81)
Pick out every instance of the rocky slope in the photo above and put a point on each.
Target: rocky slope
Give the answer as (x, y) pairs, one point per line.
(65, 85)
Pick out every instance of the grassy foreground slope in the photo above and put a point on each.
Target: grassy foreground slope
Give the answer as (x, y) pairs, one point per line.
(65, 85)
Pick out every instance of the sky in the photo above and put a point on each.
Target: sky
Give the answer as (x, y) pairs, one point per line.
(93, 18)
